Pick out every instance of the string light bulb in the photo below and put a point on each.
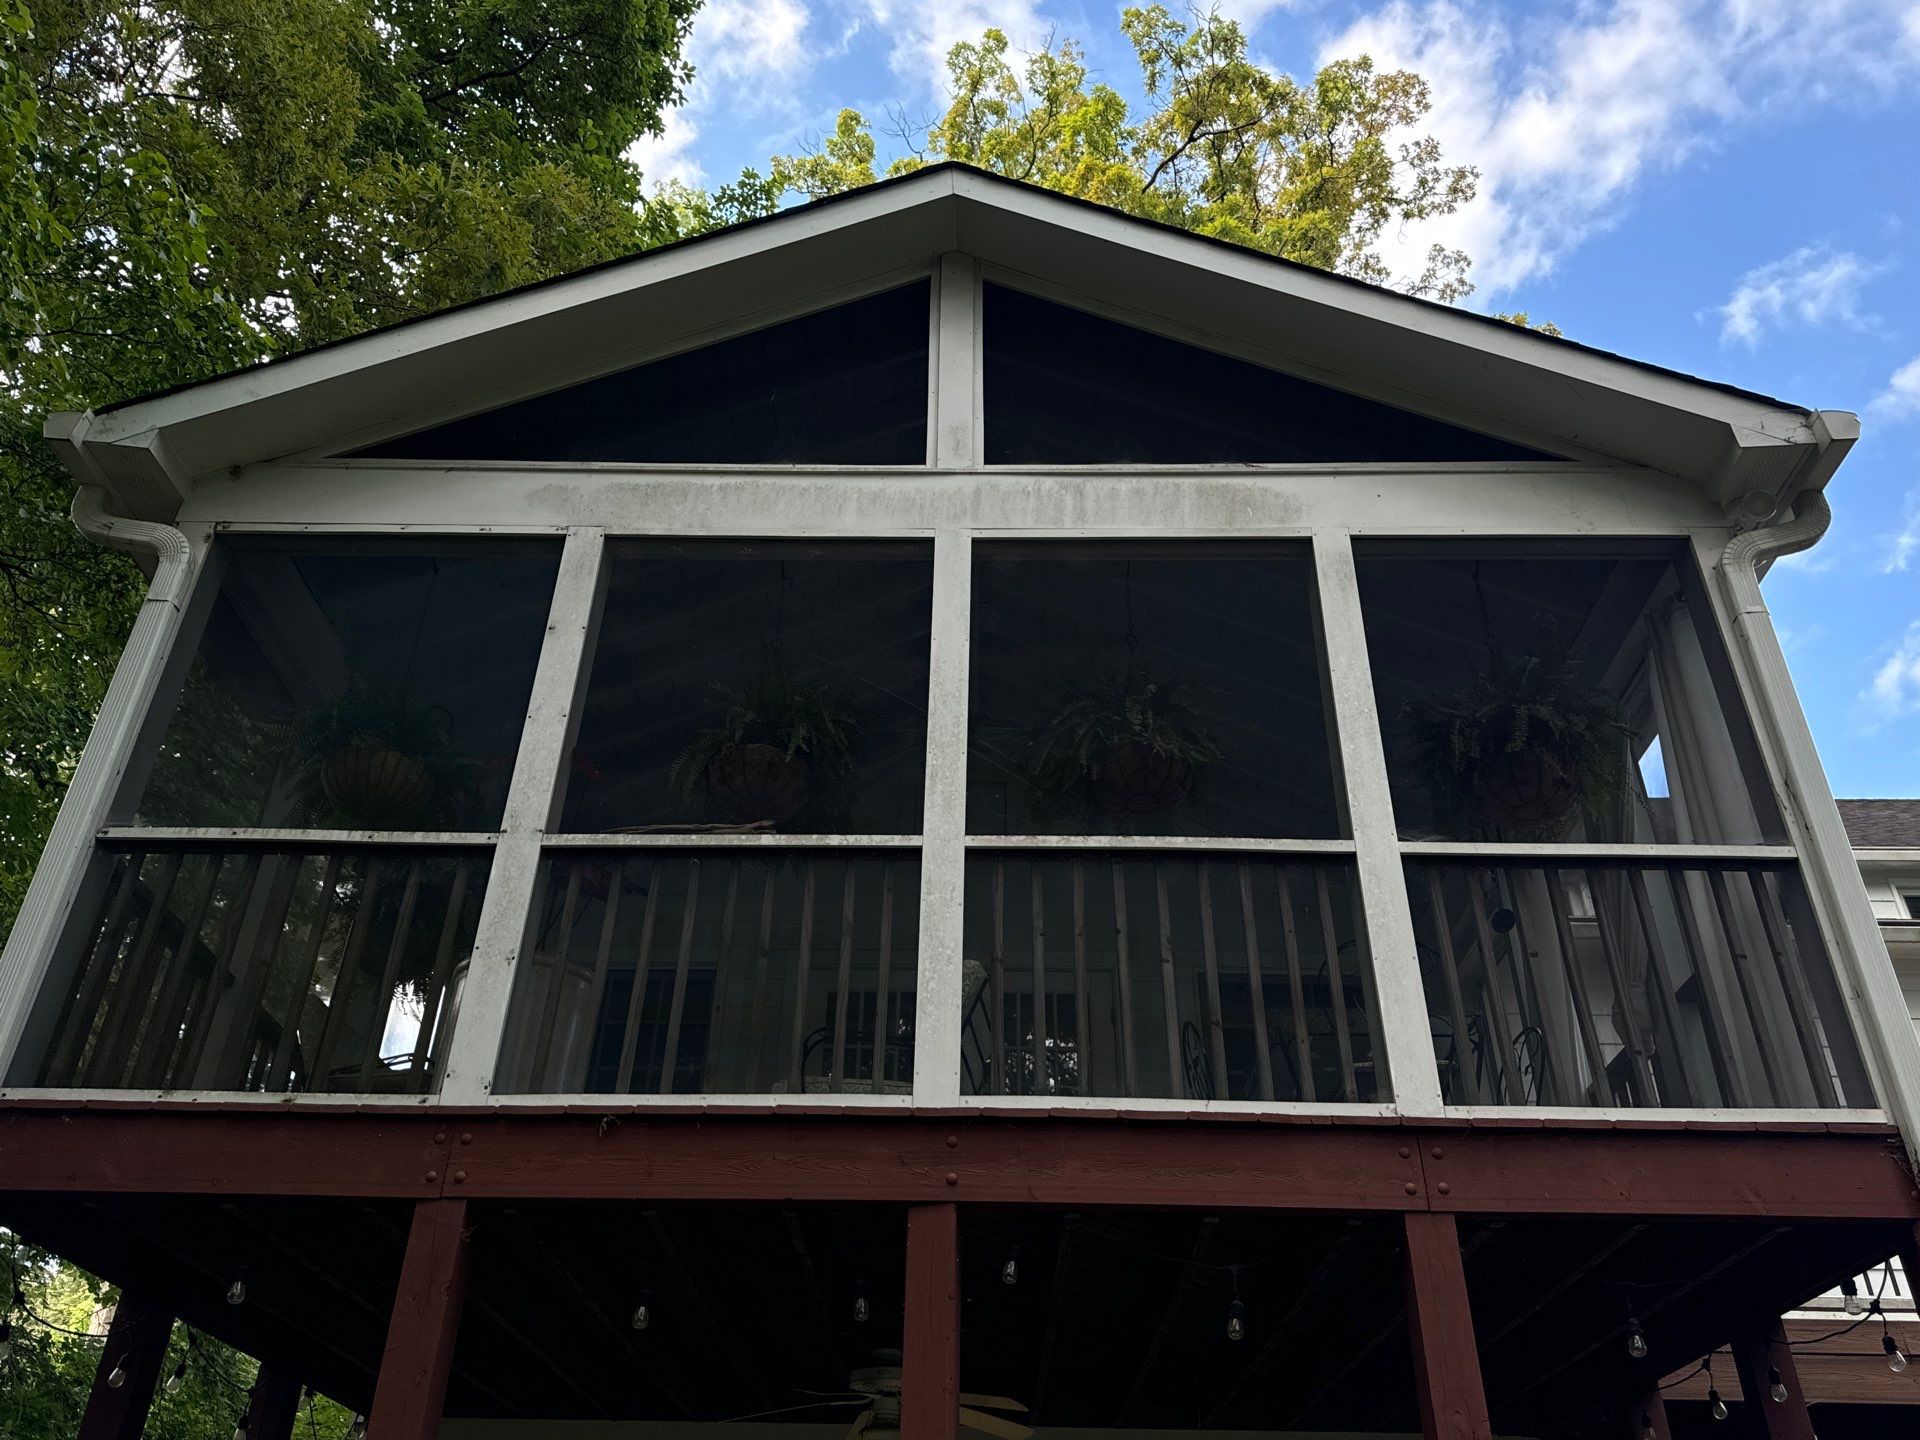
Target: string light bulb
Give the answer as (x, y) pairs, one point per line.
(1236, 1321)
(862, 1309)
(6, 1340)
(1716, 1407)
(357, 1430)
(1636, 1339)
(237, 1291)
(1896, 1357)
(177, 1378)
(116, 1377)
(1851, 1297)
(240, 1430)
(1010, 1272)
(643, 1310)
(1776, 1387)
(1647, 1432)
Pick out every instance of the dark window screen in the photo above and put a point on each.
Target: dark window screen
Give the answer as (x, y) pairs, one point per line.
(843, 386)
(1068, 388)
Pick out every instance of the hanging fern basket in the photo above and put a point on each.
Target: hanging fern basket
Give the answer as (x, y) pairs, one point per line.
(755, 782)
(1138, 780)
(1529, 791)
(376, 787)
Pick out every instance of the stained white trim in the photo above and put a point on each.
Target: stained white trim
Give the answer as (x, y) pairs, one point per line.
(1193, 844)
(1524, 854)
(698, 840)
(136, 835)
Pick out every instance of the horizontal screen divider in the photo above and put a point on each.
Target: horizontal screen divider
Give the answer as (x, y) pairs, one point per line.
(316, 839)
(1477, 850)
(724, 840)
(1196, 843)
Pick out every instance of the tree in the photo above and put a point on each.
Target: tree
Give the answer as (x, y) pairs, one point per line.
(187, 186)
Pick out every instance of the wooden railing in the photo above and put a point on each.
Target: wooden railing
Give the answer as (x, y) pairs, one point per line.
(674, 973)
(273, 970)
(1631, 983)
(1170, 976)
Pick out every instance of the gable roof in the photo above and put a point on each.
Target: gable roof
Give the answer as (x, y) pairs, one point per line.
(1418, 354)
(1881, 824)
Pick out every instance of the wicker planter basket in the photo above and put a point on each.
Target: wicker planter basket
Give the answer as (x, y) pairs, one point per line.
(1137, 779)
(375, 787)
(755, 782)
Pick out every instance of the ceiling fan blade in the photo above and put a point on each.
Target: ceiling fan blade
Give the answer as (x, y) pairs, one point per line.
(994, 1402)
(860, 1424)
(993, 1425)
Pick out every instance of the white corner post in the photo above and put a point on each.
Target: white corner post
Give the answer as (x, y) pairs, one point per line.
(943, 840)
(1406, 1036)
(954, 430)
(1833, 879)
(109, 750)
(534, 797)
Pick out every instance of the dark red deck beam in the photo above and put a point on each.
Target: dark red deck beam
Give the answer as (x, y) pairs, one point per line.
(930, 1361)
(1760, 1353)
(1808, 1172)
(411, 1393)
(135, 1350)
(274, 1404)
(1446, 1361)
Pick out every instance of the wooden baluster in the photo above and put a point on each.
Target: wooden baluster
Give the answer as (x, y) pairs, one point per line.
(126, 1000)
(1450, 977)
(883, 981)
(763, 957)
(682, 965)
(204, 999)
(1296, 983)
(997, 986)
(1042, 1070)
(836, 1069)
(282, 1061)
(1772, 1063)
(1210, 965)
(717, 1018)
(636, 999)
(1337, 984)
(424, 1049)
(157, 1044)
(1730, 1067)
(1082, 1017)
(83, 1003)
(1256, 989)
(556, 985)
(357, 939)
(1641, 1071)
(1557, 1080)
(1506, 1088)
(1169, 989)
(1793, 980)
(1598, 1092)
(389, 978)
(1660, 978)
(796, 1057)
(1123, 971)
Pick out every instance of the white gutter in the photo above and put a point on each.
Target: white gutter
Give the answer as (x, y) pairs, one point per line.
(1861, 966)
(96, 779)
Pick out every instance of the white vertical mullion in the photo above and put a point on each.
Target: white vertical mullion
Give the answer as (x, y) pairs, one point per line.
(97, 780)
(955, 439)
(943, 850)
(533, 802)
(1405, 1029)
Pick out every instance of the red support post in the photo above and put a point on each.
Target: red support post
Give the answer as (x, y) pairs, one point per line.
(274, 1404)
(1647, 1416)
(135, 1350)
(411, 1392)
(1763, 1358)
(930, 1363)
(1446, 1361)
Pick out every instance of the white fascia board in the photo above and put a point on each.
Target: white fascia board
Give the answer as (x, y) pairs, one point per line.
(436, 362)
(1427, 357)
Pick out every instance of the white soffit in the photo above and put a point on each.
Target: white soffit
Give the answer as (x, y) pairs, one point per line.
(1428, 358)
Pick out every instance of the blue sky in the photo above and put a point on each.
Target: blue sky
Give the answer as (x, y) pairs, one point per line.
(1727, 187)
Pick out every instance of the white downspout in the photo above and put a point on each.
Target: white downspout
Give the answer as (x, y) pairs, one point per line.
(1861, 965)
(63, 864)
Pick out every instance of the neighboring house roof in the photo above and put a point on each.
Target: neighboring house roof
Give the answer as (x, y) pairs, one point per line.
(1881, 824)
(1436, 360)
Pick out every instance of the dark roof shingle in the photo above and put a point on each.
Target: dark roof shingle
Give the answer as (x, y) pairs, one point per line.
(1881, 824)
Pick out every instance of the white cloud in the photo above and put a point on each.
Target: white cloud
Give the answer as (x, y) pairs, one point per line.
(1565, 116)
(1815, 285)
(1903, 546)
(923, 33)
(1894, 691)
(1901, 398)
(739, 50)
